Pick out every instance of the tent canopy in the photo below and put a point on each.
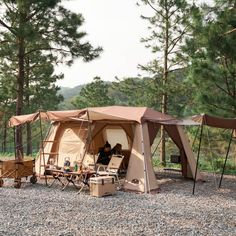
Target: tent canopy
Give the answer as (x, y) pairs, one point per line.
(116, 113)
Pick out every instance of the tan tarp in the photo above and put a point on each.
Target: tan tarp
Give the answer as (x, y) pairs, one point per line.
(140, 124)
(138, 114)
(216, 122)
(18, 120)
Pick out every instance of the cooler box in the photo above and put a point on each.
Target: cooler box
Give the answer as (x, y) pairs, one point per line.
(102, 186)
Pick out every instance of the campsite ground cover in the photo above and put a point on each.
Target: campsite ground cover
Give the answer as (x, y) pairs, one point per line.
(39, 210)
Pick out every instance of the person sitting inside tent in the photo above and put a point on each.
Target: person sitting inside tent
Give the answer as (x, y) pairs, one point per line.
(117, 149)
(104, 154)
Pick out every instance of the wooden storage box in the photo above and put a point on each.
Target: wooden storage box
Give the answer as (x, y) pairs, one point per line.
(102, 186)
(16, 169)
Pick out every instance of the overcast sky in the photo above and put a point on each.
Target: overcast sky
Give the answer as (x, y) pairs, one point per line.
(117, 27)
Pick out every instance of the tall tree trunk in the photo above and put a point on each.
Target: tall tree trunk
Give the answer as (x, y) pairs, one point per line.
(23, 8)
(164, 94)
(29, 139)
(4, 143)
(19, 99)
(27, 97)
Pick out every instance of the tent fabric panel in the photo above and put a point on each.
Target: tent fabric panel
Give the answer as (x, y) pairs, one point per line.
(95, 116)
(189, 154)
(121, 112)
(156, 116)
(135, 178)
(49, 115)
(18, 120)
(47, 147)
(153, 129)
(135, 173)
(151, 182)
(216, 122)
(174, 134)
(71, 143)
(63, 115)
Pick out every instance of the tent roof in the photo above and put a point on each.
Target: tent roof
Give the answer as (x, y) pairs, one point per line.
(123, 113)
(118, 113)
(138, 114)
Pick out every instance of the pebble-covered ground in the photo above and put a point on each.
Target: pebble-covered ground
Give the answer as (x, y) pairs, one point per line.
(39, 210)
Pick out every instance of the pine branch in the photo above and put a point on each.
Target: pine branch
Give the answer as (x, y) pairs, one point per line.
(222, 89)
(8, 27)
(230, 31)
(154, 9)
(177, 39)
(47, 48)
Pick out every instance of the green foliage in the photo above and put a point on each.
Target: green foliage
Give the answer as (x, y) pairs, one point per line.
(94, 94)
(134, 92)
(70, 92)
(168, 26)
(212, 59)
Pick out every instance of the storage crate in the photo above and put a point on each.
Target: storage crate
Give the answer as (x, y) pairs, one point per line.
(102, 186)
(17, 169)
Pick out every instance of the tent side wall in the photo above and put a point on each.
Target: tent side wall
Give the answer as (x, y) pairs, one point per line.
(188, 161)
(140, 171)
(71, 142)
(66, 139)
(191, 168)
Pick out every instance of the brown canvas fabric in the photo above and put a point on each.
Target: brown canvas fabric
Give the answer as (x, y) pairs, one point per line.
(216, 122)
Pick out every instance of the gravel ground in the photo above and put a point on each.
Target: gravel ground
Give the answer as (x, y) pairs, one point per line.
(39, 210)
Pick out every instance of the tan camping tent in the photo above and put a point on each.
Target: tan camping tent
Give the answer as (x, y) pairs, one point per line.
(79, 134)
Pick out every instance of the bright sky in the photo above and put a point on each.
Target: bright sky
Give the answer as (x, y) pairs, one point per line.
(117, 27)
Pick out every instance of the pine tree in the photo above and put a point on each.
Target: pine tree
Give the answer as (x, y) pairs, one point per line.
(212, 56)
(168, 26)
(44, 26)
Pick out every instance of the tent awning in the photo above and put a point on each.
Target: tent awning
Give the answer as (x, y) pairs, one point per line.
(217, 122)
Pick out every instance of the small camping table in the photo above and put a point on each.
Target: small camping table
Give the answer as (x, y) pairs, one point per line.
(71, 177)
(86, 174)
(56, 174)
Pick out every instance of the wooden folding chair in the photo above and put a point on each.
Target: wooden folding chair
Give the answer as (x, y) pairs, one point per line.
(112, 168)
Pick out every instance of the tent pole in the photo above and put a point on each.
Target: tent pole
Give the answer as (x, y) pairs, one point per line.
(42, 148)
(198, 155)
(226, 157)
(14, 133)
(90, 137)
(88, 141)
(144, 162)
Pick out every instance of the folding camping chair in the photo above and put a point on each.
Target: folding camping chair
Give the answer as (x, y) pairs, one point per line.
(112, 168)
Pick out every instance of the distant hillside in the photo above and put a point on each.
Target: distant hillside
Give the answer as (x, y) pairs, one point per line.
(70, 92)
(69, 95)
